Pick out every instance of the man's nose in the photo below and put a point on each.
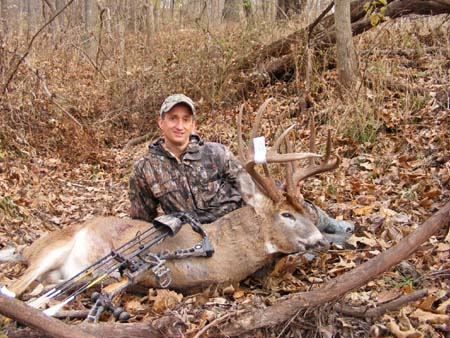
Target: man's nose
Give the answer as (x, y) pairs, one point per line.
(179, 124)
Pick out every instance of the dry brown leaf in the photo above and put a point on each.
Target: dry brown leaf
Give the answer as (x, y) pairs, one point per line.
(286, 264)
(429, 317)
(165, 299)
(354, 240)
(388, 295)
(134, 306)
(364, 211)
(427, 302)
(342, 265)
(399, 332)
(366, 165)
(442, 309)
(239, 294)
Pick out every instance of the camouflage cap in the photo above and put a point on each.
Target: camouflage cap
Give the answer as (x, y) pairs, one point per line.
(173, 100)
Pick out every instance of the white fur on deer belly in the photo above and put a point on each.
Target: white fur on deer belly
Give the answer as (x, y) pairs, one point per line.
(77, 260)
(271, 248)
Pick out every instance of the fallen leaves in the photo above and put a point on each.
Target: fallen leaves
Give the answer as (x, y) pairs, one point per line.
(164, 299)
(387, 187)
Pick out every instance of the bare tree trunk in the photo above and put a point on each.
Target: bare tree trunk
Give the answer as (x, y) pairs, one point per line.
(303, 5)
(172, 10)
(149, 23)
(58, 5)
(247, 4)
(122, 46)
(90, 24)
(132, 7)
(231, 9)
(265, 8)
(156, 16)
(3, 16)
(29, 16)
(346, 57)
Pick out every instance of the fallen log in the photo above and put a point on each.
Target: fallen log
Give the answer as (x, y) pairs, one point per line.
(286, 307)
(19, 311)
(109, 330)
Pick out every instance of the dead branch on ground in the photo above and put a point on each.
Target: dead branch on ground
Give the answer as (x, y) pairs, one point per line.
(34, 318)
(365, 312)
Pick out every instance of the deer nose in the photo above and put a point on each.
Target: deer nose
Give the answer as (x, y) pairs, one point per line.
(323, 245)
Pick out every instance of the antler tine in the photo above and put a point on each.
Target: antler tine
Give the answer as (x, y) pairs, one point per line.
(281, 138)
(240, 140)
(291, 168)
(259, 115)
(326, 164)
(312, 137)
(274, 156)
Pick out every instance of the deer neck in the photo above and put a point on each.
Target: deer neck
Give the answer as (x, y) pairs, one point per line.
(265, 207)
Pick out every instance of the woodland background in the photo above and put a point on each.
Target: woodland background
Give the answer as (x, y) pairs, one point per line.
(82, 82)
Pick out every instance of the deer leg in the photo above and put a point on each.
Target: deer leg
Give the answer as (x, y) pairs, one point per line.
(40, 266)
(327, 224)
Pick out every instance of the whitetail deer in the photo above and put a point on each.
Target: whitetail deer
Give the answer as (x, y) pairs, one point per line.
(244, 240)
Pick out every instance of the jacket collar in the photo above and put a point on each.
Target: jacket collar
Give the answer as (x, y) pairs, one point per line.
(192, 151)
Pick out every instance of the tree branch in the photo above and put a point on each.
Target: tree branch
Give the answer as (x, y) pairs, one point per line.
(365, 312)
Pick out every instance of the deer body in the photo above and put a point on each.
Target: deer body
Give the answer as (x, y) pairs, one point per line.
(244, 241)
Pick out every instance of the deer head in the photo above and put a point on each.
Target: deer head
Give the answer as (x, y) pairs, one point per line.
(293, 227)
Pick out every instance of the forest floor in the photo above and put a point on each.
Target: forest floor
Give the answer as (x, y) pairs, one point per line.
(394, 140)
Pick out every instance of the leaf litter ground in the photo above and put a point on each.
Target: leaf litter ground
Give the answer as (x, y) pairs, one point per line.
(387, 185)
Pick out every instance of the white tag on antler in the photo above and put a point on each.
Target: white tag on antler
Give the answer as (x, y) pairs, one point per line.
(259, 145)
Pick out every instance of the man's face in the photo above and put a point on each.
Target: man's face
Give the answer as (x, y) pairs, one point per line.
(177, 125)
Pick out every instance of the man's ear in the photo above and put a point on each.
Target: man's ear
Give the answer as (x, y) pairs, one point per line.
(194, 126)
(160, 120)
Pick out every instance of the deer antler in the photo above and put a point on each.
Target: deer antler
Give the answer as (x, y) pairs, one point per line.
(272, 155)
(295, 175)
(327, 163)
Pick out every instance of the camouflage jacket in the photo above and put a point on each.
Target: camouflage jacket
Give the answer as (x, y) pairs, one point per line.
(204, 181)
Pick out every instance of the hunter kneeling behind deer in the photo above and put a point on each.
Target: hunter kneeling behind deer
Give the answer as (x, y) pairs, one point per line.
(247, 217)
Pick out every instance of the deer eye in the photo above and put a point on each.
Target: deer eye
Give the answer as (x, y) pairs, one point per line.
(288, 215)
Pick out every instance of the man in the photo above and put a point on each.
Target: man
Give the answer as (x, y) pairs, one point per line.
(180, 172)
